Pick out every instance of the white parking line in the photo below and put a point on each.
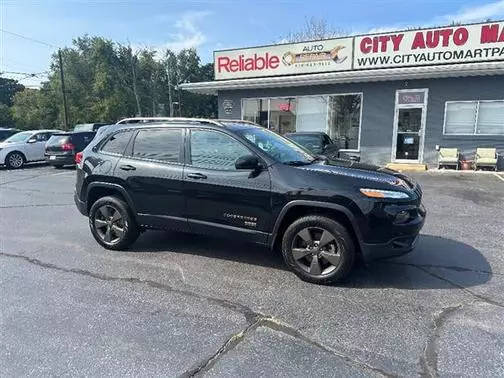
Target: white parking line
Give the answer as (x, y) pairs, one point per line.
(498, 176)
(60, 173)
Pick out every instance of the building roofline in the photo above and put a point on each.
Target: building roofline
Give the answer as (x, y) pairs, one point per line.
(355, 76)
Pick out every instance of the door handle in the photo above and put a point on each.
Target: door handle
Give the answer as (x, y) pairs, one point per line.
(197, 176)
(127, 167)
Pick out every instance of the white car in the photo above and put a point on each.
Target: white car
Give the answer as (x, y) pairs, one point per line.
(24, 147)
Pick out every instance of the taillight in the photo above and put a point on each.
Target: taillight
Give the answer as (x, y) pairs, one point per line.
(67, 146)
(78, 158)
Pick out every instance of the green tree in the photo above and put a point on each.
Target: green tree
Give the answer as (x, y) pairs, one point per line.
(8, 88)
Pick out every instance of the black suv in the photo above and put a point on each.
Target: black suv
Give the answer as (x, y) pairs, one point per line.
(235, 179)
(61, 148)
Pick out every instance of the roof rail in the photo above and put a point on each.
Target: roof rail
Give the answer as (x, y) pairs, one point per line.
(236, 120)
(167, 119)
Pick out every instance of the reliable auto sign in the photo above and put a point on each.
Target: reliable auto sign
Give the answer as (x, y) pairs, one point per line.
(446, 45)
(286, 59)
(456, 44)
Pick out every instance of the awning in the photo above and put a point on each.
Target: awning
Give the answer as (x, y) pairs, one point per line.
(404, 73)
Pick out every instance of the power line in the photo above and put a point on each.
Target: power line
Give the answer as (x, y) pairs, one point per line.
(29, 38)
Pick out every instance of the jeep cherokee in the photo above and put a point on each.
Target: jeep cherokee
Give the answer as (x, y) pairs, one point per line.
(236, 179)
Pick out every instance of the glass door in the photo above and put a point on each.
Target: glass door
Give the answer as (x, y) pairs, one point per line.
(409, 125)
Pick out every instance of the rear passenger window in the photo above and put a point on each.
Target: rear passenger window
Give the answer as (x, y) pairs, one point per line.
(163, 145)
(117, 143)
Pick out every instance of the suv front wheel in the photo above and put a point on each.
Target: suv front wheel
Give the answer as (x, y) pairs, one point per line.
(318, 249)
(111, 223)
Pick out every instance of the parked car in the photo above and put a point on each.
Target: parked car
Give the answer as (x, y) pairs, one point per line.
(6, 133)
(318, 143)
(234, 179)
(89, 126)
(61, 148)
(24, 147)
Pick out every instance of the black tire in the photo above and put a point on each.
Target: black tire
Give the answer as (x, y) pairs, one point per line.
(15, 160)
(338, 246)
(102, 224)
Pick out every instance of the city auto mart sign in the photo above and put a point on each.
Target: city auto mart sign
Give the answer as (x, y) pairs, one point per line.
(445, 45)
(454, 44)
(286, 59)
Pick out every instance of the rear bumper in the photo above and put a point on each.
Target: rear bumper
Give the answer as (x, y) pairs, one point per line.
(60, 159)
(81, 205)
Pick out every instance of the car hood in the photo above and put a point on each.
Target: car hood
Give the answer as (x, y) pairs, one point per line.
(6, 145)
(357, 170)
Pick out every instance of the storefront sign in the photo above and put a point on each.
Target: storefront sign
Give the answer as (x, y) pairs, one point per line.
(287, 59)
(405, 98)
(445, 45)
(227, 105)
(454, 44)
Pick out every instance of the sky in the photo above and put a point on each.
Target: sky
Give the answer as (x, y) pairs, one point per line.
(207, 25)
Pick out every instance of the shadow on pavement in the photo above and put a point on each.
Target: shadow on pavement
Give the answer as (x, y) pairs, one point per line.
(406, 272)
(433, 254)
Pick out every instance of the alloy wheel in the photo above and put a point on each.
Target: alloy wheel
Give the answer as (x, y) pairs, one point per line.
(316, 251)
(15, 160)
(109, 224)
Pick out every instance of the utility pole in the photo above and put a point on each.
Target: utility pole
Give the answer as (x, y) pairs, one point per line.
(135, 91)
(63, 91)
(169, 87)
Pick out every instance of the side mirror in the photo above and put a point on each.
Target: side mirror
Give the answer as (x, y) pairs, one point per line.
(32, 140)
(247, 162)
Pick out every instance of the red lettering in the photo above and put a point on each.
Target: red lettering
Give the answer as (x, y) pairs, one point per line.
(384, 40)
(375, 44)
(396, 40)
(445, 36)
(432, 39)
(460, 36)
(234, 66)
(260, 60)
(418, 42)
(489, 33)
(223, 63)
(274, 62)
(366, 45)
(253, 63)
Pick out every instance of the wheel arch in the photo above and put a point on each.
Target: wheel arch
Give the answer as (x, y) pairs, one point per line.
(299, 208)
(96, 190)
(15, 151)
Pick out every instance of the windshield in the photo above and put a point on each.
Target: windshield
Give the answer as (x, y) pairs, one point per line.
(19, 137)
(308, 141)
(279, 148)
(83, 127)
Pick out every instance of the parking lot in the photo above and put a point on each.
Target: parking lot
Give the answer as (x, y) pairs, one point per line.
(183, 305)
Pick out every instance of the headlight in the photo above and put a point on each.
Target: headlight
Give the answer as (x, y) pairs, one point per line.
(378, 193)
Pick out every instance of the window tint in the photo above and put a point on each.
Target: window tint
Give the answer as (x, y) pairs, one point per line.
(117, 143)
(161, 145)
(215, 150)
(42, 137)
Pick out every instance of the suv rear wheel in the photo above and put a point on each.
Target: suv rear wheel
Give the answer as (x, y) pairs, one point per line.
(318, 249)
(111, 223)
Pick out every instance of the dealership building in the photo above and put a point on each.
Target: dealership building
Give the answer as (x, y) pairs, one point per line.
(388, 97)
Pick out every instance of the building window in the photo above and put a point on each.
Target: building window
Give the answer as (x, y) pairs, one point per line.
(345, 120)
(474, 118)
(282, 117)
(337, 115)
(255, 110)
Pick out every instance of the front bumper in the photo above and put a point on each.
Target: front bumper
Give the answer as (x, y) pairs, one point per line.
(403, 238)
(81, 205)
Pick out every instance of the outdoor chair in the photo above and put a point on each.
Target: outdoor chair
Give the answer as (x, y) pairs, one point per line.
(448, 156)
(486, 157)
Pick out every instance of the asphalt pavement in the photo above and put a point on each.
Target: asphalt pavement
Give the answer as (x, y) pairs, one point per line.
(184, 305)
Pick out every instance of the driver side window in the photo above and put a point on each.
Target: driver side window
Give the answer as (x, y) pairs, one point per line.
(215, 150)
